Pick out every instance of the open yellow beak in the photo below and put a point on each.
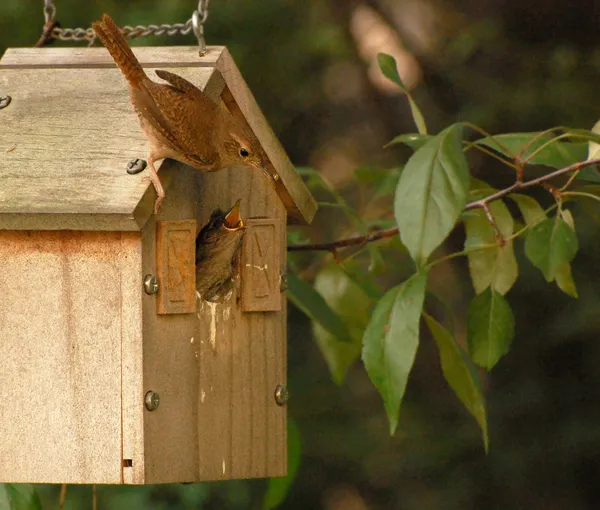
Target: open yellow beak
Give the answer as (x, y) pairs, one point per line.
(233, 220)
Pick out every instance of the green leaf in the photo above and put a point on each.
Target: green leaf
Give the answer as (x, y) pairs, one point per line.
(460, 374)
(490, 328)
(278, 488)
(564, 280)
(307, 299)
(388, 67)
(558, 154)
(22, 497)
(564, 277)
(550, 244)
(352, 305)
(531, 210)
(431, 193)
(594, 147)
(413, 140)
(390, 342)
(495, 265)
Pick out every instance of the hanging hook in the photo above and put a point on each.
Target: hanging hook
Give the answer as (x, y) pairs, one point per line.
(49, 10)
(198, 18)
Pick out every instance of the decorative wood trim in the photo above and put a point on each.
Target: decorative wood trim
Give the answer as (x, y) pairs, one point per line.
(261, 257)
(175, 266)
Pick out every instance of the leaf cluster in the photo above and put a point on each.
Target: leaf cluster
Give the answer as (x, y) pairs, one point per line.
(433, 194)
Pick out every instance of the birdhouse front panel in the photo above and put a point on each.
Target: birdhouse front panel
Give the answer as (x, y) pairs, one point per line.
(116, 368)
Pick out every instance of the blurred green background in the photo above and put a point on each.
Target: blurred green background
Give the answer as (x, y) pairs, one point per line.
(507, 65)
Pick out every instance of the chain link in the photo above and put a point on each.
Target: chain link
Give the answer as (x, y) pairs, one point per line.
(195, 24)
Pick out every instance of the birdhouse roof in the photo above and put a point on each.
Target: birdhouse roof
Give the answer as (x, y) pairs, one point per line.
(69, 132)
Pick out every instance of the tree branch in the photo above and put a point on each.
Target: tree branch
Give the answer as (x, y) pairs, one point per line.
(477, 204)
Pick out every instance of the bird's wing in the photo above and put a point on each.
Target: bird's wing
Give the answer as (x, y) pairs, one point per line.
(185, 116)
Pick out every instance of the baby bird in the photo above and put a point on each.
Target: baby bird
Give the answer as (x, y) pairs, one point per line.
(180, 121)
(217, 253)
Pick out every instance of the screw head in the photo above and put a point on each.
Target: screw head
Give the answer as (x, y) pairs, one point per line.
(150, 284)
(135, 166)
(152, 400)
(281, 395)
(5, 101)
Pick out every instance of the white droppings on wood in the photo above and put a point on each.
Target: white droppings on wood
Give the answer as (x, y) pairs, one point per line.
(213, 323)
(223, 466)
(202, 395)
(226, 313)
(192, 340)
(260, 268)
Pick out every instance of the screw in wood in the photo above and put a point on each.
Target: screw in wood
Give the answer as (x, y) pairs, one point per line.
(281, 395)
(150, 284)
(135, 166)
(152, 400)
(5, 101)
(283, 283)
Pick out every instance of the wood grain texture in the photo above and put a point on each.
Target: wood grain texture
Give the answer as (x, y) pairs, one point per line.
(260, 271)
(300, 204)
(241, 356)
(73, 132)
(132, 383)
(176, 266)
(62, 318)
(169, 357)
(149, 56)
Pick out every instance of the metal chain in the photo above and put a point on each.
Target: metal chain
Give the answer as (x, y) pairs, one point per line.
(195, 24)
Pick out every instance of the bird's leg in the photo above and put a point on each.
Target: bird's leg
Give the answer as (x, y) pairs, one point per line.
(154, 179)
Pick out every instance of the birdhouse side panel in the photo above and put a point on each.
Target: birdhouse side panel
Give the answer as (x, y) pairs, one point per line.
(170, 343)
(62, 316)
(242, 355)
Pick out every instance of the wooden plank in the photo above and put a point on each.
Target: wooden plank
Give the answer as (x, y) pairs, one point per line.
(300, 204)
(176, 266)
(61, 323)
(149, 56)
(132, 388)
(260, 272)
(73, 132)
(170, 363)
(241, 430)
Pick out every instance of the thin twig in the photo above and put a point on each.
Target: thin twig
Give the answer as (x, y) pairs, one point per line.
(477, 204)
(492, 221)
(63, 496)
(94, 497)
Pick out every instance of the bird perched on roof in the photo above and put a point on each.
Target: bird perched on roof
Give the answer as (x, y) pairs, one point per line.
(180, 121)
(217, 253)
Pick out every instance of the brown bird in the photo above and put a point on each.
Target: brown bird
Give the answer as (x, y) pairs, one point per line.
(180, 121)
(217, 253)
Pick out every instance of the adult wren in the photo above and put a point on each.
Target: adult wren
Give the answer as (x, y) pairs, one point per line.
(217, 253)
(180, 121)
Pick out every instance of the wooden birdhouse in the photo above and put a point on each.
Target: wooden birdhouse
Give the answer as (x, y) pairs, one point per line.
(112, 369)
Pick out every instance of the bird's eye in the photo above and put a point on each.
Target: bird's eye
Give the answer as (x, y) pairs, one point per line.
(244, 152)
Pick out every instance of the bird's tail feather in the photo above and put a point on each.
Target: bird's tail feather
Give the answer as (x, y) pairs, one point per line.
(110, 35)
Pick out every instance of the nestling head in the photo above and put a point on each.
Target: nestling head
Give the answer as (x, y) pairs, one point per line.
(217, 253)
(222, 234)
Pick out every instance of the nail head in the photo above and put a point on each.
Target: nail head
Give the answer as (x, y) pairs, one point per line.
(281, 395)
(135, 166)
(152, 401)
(150, 284)
(5, 101)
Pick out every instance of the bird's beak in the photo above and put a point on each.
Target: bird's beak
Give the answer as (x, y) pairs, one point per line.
(233, 220)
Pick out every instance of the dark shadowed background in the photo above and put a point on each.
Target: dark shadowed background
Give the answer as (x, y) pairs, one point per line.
(507, 65)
